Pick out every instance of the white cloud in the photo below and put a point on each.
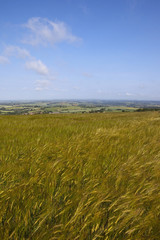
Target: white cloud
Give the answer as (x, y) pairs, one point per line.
(44, 31)
(3, 60)
(32, 64)
(38, 67)
(42, 85)
(16, 51)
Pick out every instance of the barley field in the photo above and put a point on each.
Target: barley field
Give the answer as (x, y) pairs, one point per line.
(80, 176)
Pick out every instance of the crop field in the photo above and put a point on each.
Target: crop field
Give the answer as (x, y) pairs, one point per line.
(32, 108)
(80, 176)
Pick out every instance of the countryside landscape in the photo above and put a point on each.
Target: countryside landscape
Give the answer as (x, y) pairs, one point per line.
(79, 120)
(75, 106)
(80, 176)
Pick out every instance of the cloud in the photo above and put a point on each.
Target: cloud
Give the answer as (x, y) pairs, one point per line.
(43, 31)
(3, 60)
(16, 51)
(13, 51)
(32, 64)
(38, 67)
(42, 85)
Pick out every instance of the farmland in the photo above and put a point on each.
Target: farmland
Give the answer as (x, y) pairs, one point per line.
(74, 106)
(80, 176)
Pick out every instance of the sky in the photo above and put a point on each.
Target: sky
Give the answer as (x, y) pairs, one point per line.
(80, 49)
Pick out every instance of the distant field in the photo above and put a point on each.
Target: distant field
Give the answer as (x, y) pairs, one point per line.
(21, 109)
(80, 176)
(75, 106)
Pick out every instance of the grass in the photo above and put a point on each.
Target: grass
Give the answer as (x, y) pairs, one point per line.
(80, 176)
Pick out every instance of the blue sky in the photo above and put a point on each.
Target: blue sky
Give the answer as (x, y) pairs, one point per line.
(79, 49)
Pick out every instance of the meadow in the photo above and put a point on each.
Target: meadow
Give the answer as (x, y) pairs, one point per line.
(80, 176)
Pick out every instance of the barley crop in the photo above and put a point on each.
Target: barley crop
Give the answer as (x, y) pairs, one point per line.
(80, 176)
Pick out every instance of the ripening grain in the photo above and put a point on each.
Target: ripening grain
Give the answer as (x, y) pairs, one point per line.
(80, 176)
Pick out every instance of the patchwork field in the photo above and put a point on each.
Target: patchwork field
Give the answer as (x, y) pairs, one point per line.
(80, 176)
(75, 106)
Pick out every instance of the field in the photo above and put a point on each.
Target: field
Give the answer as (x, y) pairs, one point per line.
(52, 107)
(80, 176)
(74, 106)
